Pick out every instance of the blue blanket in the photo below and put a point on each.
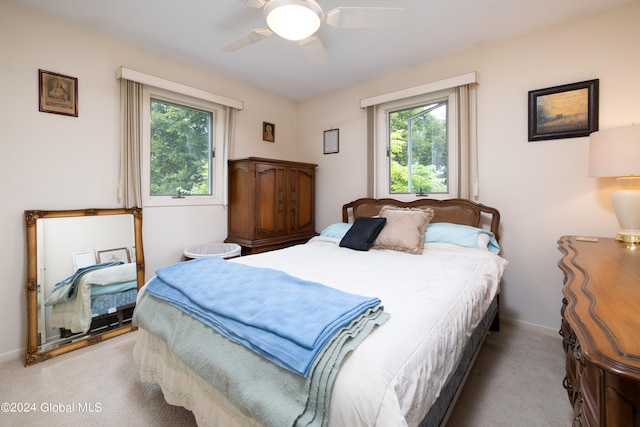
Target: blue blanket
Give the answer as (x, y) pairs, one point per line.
(258, 388)
(283, 318)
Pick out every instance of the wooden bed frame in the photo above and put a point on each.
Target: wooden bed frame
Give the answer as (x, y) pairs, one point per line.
(102, 322)
(457, 211)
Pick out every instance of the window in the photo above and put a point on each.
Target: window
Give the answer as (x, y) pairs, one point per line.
(183, 146)
(418, 149)
(180, 151)
(417, 152)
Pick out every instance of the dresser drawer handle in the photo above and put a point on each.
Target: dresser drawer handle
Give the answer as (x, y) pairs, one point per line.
(577, 353)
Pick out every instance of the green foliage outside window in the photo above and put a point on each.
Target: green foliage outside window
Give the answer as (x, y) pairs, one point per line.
(418, 149)
(180, 150)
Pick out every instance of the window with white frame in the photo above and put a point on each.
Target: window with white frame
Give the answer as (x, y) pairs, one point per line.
(182, 149)
(416, 147)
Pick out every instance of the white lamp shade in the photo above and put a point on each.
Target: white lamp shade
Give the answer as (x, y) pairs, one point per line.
(615, 152)
(293, 19)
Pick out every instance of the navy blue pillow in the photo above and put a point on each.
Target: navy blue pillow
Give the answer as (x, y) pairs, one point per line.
(362, 233)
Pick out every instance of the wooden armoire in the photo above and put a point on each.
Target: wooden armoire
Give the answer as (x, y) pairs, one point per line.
(271, 203)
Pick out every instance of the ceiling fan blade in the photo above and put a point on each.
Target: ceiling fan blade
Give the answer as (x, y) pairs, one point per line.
(314, 49)
(250, 38)
(362, 17)
(254, 3)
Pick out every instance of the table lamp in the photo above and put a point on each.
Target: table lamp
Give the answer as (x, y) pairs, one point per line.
(616, 153)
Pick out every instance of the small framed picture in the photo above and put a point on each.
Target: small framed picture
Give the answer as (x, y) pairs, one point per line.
(268, 132)
(113, 255)
(331, 141)
(566, 111)
(58, 93)
(83, 258)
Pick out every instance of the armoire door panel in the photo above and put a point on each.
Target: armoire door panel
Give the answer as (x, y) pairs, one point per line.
(302, 200)
(270, 206)
(240, 222)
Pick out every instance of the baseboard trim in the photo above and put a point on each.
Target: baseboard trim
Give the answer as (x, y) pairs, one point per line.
(11, 355)
(531, 327)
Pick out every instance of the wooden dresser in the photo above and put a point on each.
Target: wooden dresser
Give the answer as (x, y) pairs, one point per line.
(601, 330)
(271, 203)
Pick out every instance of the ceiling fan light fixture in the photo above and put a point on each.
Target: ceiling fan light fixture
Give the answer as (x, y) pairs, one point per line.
(293, 19)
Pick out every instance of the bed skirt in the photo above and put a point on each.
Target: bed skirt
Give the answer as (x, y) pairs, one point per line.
(441, 409)
(183, 387)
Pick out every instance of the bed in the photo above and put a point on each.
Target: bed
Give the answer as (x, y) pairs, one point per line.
(93, 298)
(440, 299)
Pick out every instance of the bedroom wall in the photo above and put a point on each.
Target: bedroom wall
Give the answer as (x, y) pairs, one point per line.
(51, 162)
(56, 162)
(541, 188)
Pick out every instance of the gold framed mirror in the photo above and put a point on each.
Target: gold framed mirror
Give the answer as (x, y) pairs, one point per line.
(84, 268)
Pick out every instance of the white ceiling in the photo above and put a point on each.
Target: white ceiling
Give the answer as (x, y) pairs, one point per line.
(194, 31)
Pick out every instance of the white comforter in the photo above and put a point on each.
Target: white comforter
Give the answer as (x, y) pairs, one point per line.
(75, 314)
(435, 301)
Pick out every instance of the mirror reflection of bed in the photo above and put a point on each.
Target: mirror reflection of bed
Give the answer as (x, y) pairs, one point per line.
(85, 268)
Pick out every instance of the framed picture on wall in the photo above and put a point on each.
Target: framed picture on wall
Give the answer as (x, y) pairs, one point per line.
(566, 111)
(58, 93)
(83, 258)
(268, 132)
(112, 255)
(331, 141)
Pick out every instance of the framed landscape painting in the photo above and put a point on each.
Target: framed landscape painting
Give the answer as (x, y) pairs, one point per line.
(566, 111)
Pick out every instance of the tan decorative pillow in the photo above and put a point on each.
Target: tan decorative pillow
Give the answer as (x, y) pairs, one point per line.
(404, 230)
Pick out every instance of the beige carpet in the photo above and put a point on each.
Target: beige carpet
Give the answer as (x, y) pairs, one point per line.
(516, 382)
(102, 375)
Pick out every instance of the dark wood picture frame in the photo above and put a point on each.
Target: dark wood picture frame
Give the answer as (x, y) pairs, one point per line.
(566, 111)
(331, 141)
(268, 132)
(58, 94)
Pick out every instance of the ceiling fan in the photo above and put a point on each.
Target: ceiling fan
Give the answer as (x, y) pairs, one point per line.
(298, 20)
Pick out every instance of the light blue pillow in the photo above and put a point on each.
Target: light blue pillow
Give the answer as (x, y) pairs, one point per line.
(461, 235)
(337, 230)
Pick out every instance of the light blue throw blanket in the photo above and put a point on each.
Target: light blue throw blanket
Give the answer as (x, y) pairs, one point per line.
(262, 390)
(285, 319)
(96, 291)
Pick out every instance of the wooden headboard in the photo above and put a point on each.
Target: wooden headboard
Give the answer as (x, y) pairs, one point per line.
(457, 211)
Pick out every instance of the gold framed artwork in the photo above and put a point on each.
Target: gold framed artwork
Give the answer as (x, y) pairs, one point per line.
(268, 132)
(566, 111)
(58, 94)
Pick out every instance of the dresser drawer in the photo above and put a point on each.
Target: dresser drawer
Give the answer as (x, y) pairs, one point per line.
(623, 401)
(590, 385)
